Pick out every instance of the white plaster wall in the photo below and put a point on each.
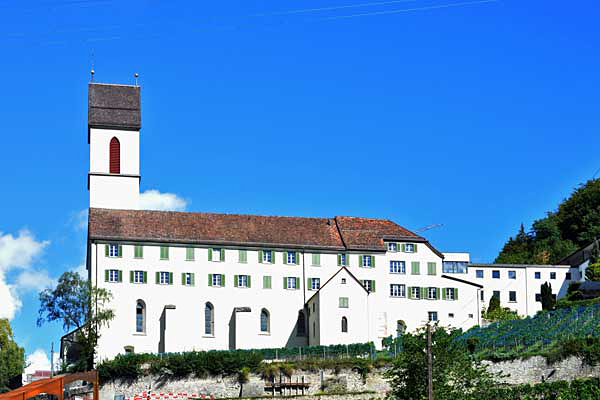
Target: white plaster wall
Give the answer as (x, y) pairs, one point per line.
(99, 150)
(457, 257)
(114, 191)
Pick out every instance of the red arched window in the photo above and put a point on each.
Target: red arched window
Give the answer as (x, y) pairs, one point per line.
(115, 156)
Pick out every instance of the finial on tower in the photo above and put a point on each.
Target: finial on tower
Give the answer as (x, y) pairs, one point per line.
(136, 76)
(92, 72)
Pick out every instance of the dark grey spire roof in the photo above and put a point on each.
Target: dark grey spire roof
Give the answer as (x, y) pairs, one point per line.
(114, 106)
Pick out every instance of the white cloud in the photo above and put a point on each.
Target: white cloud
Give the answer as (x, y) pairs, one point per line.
(155, 200)
(81, 270)
(38, 361)
(18, 253)
(80, 219)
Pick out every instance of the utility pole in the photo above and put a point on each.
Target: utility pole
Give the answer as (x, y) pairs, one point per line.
(52, 360)
(429, 365)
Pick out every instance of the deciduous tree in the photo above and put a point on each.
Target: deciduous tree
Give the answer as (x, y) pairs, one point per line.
(12, 357)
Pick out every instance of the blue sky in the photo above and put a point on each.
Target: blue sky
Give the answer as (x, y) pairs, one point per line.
(474, 115)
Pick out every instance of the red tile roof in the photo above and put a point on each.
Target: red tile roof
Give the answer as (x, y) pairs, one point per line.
(338, 233)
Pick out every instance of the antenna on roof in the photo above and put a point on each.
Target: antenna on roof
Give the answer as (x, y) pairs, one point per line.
(428, 227)
(136, 76)
(92, 72)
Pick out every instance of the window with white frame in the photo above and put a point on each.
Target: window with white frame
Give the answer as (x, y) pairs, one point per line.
(343, 259)
(187, 277)
(432, 293)
(291, 257)
(138, 276)
(291, 283)
(397, 267)
(415, 292)
(216, 255)
(164, 278)
(267, 256)
(449, 293)
(512, 274)
(343, 302)
(397, 290)
(432, 316)
(393, 247)
(242, 281)
(315, 283)
(409, 248)
(367, 261)
(113, 250)
(369, 285)
(113, 275)
(217, 280)
(552, 275)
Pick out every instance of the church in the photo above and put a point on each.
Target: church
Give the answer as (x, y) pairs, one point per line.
(184, 281)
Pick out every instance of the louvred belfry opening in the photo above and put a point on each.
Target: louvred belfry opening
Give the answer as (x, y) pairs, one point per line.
(115, 156)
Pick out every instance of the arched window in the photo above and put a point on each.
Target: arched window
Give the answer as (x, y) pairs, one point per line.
(344, 325)
(140, 317)
(209, 319)
(301, 324)
(115, 156)
(265, 323)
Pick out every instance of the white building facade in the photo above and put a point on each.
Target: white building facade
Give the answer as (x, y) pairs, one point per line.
(196, 281)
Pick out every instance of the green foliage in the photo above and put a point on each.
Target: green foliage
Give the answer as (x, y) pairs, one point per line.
(494, 304)
(575, 224)
(12, 357)
(579, 389)
(548, 301)
(79, 306)
(567, 303)
(497, 313)
(455, 375)
(592, 272)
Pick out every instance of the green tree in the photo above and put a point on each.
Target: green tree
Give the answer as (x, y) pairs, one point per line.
(80, 307)
(579, 215)
(12, 357)
(456, 375)
(548, 301)
(592, 272)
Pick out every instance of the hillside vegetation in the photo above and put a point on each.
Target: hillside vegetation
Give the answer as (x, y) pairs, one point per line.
(574, 224)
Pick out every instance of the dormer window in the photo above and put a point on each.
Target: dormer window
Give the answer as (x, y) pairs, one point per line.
(392, 247)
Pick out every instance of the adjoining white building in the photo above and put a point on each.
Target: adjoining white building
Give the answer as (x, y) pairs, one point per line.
(197, 281)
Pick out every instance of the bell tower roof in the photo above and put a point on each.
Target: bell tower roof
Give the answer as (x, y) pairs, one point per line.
(114, 107)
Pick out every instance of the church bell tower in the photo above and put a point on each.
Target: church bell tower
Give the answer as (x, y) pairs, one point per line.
(114, 123)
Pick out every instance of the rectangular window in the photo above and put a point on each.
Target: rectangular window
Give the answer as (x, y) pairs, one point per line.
(537, 275)
(291, 257)
(187, 279)
(343, 260)
(415, 292)
(138, 251)
(138, 277)
(266, 282)
(432, 316)
(343, 281)
(482, 296)
(454, 267)
(432, 293)
(450, 294)
(512, 296)
(431, 268)
(113, 275)
(114, 250)
(397, 290)
(552, 275)
(164, 253)
(217, 280)
(369, 285)
(343, 302)
(267, 256)
(216, 254)
(409, 248)
(479, 273)
(450, 315)
(189, 254)
(315, 283)
(393, 247)
(316, 260)
(568, 276)
(415, 268)
(292, 282)
(164, 278)
(397, 267)
(512, 274)
(495, 274)
(367, 261)
(496, 294)
(242, 281)
(538, 297)
(243, 257)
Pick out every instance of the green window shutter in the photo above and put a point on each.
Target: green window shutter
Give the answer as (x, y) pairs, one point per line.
(297, 283)
(249, 281)
(415, 247)
(297, 258)
(372, 261)
(398, 246)
(235, 281)
(423, 293)
(170, 278)
(260, 256)
(222, 255)
(443, 293)
(243, 256)
(120, 276)
(158, 277)
(145, 277)
(437, 293)
(347, 259)
(373, 286)
(183, 278)
(403, 248)
(210, 279)
(120, 251)
(209, 254)
(189, 253)
(415, 267)
(409, 294)
(284, 282)
(455, 293)
(138, 252)
(223, 280)
(360, 261)
(105, 275)
(308, 283)
(339, 260)
(431, 267)
(106, 250)
(266, 282)
(193, 280)
(130, 276)
(284, 257)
